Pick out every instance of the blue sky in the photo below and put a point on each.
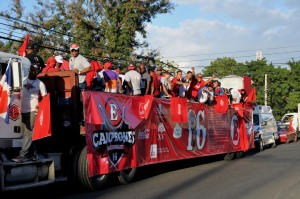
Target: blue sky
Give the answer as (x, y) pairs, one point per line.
(199, 31)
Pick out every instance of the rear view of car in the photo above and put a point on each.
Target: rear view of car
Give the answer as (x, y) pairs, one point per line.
(282, 133)
(265, 127)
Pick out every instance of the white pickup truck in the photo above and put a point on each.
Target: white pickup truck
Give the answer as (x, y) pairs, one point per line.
(295, 123)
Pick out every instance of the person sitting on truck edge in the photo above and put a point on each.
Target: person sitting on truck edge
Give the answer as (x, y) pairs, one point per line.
(166, 85)
(54, 64)
(33, 57)
(206, 94)
(196, 84)
(218, 90)
(79, 64)
(176, 83)
(32, 92)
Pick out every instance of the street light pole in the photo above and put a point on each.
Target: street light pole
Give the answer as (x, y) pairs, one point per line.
(266, 88)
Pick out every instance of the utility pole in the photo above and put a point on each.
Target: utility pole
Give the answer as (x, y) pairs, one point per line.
(266, 88)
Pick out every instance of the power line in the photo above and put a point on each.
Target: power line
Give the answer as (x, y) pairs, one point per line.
(12, 19)
(228, 52)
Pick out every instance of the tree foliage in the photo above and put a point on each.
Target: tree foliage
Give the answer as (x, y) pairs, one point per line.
(102, 28)
(283, 93)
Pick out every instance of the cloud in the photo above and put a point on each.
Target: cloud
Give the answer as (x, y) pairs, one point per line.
(226, 26)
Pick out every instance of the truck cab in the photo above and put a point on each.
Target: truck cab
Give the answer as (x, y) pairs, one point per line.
(265, 127)
(13, 176)
(295, 121)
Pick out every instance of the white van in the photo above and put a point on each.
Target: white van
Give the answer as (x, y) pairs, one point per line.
(265, 127)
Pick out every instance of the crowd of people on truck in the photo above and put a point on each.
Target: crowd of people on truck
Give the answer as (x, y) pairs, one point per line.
(140, 80)
(136, 80)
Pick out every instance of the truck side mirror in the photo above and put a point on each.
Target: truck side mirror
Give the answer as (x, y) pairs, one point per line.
(264, 123)
(17, 75)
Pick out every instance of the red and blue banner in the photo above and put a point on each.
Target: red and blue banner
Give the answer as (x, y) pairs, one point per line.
(130, 131)
(5, 85)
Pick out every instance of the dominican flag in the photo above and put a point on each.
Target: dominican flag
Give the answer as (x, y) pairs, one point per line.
(5, 84)
(22, 49)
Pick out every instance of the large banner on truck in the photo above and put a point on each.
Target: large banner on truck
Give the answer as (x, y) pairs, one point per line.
(131, 131)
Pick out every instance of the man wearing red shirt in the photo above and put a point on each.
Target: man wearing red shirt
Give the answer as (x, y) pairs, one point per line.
(176, 82)
(196, 84)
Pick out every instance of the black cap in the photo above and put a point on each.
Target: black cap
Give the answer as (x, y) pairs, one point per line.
(30, 46)
(35, 66)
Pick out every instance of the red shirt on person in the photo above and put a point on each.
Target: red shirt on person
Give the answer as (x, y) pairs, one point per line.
(175, 86)
(195, 86)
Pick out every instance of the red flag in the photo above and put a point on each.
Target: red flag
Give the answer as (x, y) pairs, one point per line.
(244, 143)
(42, 125)
(251, 96)
(21, 50)
(179, 109)
(238, 108)
(3, 100)
(291, 128)
(221, 105)
(145, 107)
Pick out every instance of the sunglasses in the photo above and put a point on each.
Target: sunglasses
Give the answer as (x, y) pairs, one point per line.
(73, 50)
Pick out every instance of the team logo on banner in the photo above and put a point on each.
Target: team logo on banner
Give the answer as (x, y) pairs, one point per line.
(234, 130)
(14, 112)
(177, 131)
(114, 137)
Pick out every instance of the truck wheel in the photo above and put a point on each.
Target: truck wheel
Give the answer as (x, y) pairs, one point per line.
(229, 156)
(239, 154)
(90, 183)
(260, 145)
(127, 176)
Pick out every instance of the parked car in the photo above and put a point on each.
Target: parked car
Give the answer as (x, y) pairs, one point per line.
(285, 134)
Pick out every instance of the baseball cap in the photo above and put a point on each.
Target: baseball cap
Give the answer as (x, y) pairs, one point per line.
(131, 67)
(29, 46)
(74, 46)
(107, 65)
(117, 70)
(59, 59)
(199, 75)
(34, 66)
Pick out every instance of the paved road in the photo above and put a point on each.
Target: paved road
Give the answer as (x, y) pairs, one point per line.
(273, 173)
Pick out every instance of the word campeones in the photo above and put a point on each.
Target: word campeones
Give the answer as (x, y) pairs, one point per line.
(102, 138)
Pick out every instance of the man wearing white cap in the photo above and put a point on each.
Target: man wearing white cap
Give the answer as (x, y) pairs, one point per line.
(59, 61)
(79, 65)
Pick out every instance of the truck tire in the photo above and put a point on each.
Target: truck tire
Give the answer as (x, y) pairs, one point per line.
(229, 156)
(90, 183)
(260, 145)
(127, 176)
(239, 154)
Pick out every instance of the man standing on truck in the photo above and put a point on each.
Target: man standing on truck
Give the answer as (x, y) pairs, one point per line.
(79, 64)
(133, 79)
(32, 92)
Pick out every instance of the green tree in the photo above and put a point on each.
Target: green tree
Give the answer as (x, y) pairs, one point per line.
(101, 27)
(225, 66)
